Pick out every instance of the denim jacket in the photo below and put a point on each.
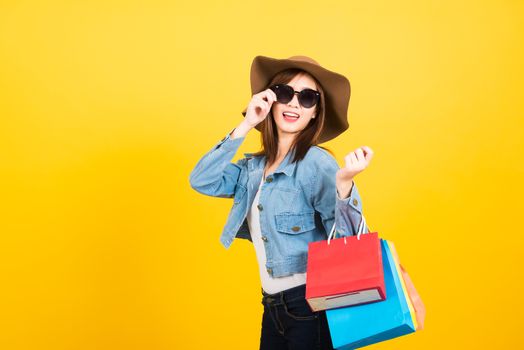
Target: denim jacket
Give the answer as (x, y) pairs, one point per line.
(298, 202)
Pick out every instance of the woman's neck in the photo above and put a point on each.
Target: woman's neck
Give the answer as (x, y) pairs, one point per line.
(284, 143)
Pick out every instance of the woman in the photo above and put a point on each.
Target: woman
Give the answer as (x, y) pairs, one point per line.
(291, 192)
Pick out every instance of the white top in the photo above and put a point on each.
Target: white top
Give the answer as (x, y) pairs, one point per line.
(270, 284)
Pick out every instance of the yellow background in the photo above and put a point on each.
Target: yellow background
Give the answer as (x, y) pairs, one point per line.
(106, 106)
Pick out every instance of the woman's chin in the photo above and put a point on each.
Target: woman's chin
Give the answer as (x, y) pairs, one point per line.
(288, 130)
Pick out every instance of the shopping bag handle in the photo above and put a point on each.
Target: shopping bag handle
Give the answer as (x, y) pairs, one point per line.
(360, 229)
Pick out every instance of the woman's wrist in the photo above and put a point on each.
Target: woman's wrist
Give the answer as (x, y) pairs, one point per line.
(241, 130)
(344, 189)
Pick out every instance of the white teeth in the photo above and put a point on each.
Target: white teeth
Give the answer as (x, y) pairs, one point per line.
(288, 114)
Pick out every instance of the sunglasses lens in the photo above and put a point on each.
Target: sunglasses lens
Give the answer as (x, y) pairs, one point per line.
(307, 98)
(284, 93)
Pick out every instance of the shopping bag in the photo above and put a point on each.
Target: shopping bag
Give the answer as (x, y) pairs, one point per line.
(398, 272)
(357, 326)
(345, 271)
(418, 305)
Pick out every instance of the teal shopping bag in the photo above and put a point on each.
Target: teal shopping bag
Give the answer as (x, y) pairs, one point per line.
(357, 326)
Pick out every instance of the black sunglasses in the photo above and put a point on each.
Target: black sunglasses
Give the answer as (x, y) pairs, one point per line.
(307, 97)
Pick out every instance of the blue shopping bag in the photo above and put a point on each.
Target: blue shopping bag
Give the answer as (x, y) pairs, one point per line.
(357, 326)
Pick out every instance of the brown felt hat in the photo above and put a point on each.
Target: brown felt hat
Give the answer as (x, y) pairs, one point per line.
(336, 89)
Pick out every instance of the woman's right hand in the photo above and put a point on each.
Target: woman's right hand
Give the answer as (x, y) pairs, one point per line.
(259, 107)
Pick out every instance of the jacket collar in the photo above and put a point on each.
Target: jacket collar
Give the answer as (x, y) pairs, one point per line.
(259, 162)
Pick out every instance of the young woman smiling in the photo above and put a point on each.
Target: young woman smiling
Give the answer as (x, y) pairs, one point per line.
(291, 192)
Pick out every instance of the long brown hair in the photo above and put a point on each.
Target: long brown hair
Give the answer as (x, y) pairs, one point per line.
(305, 139)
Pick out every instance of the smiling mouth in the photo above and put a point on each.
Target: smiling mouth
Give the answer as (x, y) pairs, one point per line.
(290, 117)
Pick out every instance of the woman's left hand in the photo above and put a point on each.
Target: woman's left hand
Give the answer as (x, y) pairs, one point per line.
(356, 162)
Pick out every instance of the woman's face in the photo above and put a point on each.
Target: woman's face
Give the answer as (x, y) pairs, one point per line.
(290, 125)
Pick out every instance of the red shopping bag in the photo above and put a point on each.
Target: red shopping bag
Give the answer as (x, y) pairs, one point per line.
(345, 271)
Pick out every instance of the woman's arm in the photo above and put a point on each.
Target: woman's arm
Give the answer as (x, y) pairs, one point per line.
(350, 215)
(347, 212)
(214, 174)
(356, 162)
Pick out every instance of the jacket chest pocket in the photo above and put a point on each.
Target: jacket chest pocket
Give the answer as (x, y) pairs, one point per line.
(295, 223)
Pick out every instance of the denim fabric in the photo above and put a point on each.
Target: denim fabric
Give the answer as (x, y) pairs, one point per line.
(298, 203)
(289, 323)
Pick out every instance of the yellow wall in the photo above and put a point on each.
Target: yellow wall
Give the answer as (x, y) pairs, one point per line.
(106, 106)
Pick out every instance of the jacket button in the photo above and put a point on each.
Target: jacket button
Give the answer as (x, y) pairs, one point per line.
(264, 238)
(295, 228)
(269, 270)
(269, 179)
(260, 207)
(355, 202)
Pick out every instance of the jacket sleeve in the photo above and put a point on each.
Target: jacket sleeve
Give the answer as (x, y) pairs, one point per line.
(347, 213)
(214, 174)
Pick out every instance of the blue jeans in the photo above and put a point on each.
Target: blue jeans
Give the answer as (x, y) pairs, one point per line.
(289, 323)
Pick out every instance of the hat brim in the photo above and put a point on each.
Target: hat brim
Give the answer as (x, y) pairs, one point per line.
(337, 90)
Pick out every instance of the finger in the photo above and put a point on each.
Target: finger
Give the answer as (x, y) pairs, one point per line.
(261, 94)
(353, 158)
(261, 98)
(268, 95)
(273, 97)
(359, 152)
(261, 104)
(368, 152)
(348, 159)
(258, 97)
(258, 101)
(272, 93)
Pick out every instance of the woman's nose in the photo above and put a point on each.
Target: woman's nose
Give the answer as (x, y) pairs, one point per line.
(294, 101)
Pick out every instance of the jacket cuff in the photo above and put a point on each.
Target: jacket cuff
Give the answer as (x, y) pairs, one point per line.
(353, 200)
(229, 144)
